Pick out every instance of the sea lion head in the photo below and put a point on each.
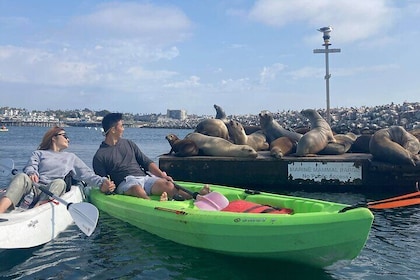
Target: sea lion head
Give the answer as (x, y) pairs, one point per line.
(220, 113)
(310, 114)
(182, 148)
(236, 132)
(248, 151)
(172, 138)
(266, 117)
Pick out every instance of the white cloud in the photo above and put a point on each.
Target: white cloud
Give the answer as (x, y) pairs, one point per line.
(351, 20)
(19, 22)
(21, 65)
(193, 81)
(235, 85)
(312, 72)
(352, 71)
(307, 72)
(138, 73)
(120, 39)
(270, 72)
(145, 23)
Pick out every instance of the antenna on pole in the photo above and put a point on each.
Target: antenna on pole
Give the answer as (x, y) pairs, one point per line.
(326, 36)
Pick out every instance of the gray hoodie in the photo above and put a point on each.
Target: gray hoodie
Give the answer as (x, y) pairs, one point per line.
(50, 165)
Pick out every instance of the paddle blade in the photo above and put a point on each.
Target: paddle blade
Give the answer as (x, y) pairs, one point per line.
(213, 201)
(85, 216)
(395, 204)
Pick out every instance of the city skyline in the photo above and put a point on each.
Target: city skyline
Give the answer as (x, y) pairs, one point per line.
(246, 56)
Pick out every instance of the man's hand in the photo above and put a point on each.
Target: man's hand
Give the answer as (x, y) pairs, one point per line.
(108, 186)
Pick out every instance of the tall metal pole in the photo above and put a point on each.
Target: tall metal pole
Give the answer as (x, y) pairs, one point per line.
(327, 83)
(326, 36)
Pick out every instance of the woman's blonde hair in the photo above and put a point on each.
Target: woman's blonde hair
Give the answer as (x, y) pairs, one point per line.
(47, 139)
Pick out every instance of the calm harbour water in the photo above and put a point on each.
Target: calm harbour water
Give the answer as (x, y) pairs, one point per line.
(120, 251)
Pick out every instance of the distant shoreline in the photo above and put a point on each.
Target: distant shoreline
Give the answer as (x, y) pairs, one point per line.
(363, 120)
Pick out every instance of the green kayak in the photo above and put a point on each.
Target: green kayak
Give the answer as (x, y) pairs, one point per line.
(296, 229)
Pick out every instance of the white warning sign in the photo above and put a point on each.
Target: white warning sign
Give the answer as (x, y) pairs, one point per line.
(318, 171)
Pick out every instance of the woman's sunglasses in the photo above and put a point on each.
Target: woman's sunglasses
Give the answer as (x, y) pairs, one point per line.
(64, 135)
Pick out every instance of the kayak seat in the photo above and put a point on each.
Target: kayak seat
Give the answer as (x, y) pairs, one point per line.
(283, 203)
(301, 206)
(298, 205)
(243, 206)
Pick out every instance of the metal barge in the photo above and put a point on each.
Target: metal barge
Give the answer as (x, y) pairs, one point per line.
(350, 172)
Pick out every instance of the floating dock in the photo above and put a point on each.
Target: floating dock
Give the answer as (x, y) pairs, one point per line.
(350, 172)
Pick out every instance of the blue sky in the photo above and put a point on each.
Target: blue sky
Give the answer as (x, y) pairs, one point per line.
(245, 56)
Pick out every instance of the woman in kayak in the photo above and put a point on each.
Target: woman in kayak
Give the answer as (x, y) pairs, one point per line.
(49, 165)
(128, 166)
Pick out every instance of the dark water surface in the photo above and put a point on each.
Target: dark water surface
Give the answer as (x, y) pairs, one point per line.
(120, 251)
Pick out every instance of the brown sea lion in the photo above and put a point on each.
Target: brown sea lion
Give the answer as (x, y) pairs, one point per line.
(342, 144)
(181, 148)
(415, 132)
(237, 135)
(395, 145)
(220, 113)
(213, 127)
(273, 130)
(317, 138)
(282, 146)
(361, 144)
(216, 146)
(249, 129)
(302, 130)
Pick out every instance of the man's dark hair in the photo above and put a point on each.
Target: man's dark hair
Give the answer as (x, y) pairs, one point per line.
(110, 120)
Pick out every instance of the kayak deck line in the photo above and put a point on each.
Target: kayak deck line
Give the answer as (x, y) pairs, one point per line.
(179, 212)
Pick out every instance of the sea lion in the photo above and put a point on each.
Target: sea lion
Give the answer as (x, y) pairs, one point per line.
(302, 129)
(282, 146)
(395, 145)
(213, 127)
(361, 144)
(342, 145)
(249, 129)
(273, 130)
(181, 148)
(415, 132)
(216, 146)
(220, 113)
(237, 135)
(317, 138)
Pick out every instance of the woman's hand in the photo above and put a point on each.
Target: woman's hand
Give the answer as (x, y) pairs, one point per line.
(34, 177)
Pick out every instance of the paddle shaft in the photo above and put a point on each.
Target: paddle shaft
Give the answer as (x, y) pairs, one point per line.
(211, 201)
(43, 189)
(397, 198)
(396, 204)
(393, 202)
(179, 187)
(217, 201)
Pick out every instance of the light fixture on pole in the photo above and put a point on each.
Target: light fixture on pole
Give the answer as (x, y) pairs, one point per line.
(326, 36)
